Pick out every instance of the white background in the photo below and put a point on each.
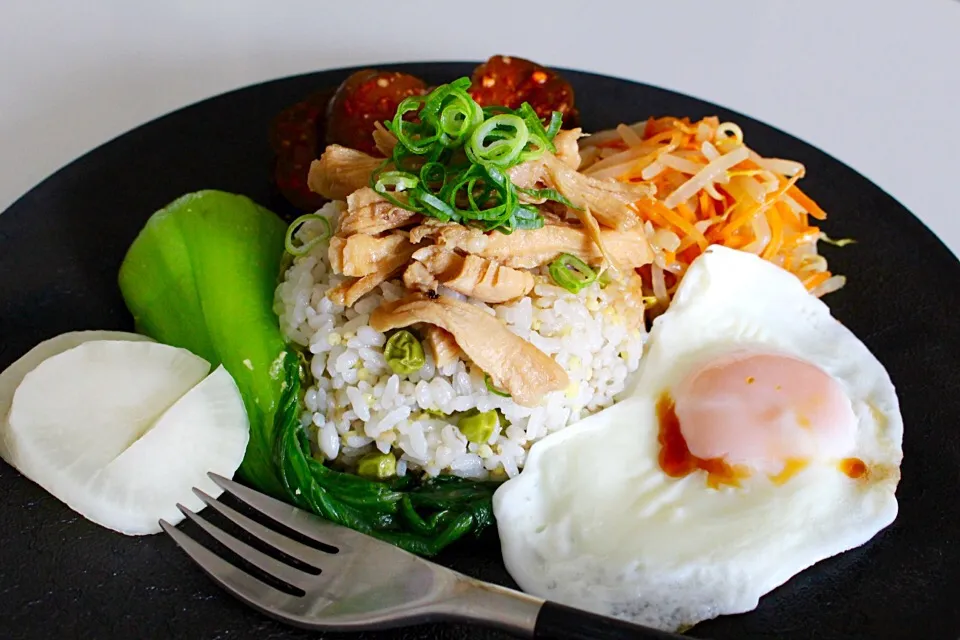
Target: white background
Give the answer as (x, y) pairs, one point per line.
(873, 82)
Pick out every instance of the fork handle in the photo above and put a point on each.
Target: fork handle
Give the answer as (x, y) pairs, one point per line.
(559, 622)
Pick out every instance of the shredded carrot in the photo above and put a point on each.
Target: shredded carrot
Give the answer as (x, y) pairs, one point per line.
(689, 254)
(790, 219)
(737, 242)
(817, 279)
(686, 212)
(706, 205)
(775, 220)
(663, 136)
(673, 219)
(804, 201)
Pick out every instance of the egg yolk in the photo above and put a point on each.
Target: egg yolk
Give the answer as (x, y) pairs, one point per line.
(765, 412)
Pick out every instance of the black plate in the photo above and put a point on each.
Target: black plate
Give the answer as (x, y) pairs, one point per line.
(61, 246)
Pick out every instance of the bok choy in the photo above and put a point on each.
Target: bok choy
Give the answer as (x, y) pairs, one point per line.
(201, 275)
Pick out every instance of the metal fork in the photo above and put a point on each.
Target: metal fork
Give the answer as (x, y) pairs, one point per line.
(363, 583)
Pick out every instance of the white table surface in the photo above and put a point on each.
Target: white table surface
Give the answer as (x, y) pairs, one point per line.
(873, 82)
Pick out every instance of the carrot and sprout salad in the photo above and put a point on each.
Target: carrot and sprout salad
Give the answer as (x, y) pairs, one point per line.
(711, 188)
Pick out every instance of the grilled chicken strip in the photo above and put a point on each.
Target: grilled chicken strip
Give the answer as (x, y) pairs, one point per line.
(470, 275)
(361, 254)
(368, 212)
(530, 248)
(340, 171)
(610, 201)
(512, 363)
(442, 345)
(352, 289)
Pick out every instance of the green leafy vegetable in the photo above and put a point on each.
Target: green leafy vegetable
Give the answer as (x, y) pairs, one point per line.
(451, 157)
(422, 518)
(201, 275)
(572, 273)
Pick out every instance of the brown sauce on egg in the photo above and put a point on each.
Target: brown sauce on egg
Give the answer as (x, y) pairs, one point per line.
(676, 460)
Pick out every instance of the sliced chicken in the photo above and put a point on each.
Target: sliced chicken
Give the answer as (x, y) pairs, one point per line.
(568, 151)
(513, 364)
(441, 263)
(368, 212)
(352, 289)
(429, 228)
(340, 171)
(488, 281)
(360, 254)
(417, 277)
(442, 345)
(593, 230)
(528, 174)
(470, 275)
(430, 266)
(531, 248)
(384, 140)
(610, 201)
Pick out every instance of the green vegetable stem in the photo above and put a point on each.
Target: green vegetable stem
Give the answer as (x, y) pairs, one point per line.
(201, 275)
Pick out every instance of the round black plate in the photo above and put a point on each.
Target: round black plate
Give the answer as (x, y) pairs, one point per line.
(61, 246)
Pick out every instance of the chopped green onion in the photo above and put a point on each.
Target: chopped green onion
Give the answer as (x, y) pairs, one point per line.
(399, 180)
(433, 173)
(556, 119)
(537, 132)
(303, 249)
(528, 218)
(505, 149)
(549, 194)
(404, 353)
(436, 207)
(451, 158)
(408, 134)
(493, 389)
(572, 273)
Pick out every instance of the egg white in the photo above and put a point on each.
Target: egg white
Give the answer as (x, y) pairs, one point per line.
(593, 522)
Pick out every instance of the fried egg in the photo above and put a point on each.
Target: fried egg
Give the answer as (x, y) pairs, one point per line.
(761, 437)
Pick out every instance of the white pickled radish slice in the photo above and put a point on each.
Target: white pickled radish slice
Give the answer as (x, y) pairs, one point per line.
(206, 430)
(82, 408)
(13, 375)
(122, 431)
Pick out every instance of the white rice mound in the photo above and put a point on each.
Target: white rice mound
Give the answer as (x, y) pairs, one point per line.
(356, 405)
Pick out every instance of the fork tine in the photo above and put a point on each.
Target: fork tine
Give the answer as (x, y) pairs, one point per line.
(257, 558)
(300, 521)
(277, 540)
(238, 582)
